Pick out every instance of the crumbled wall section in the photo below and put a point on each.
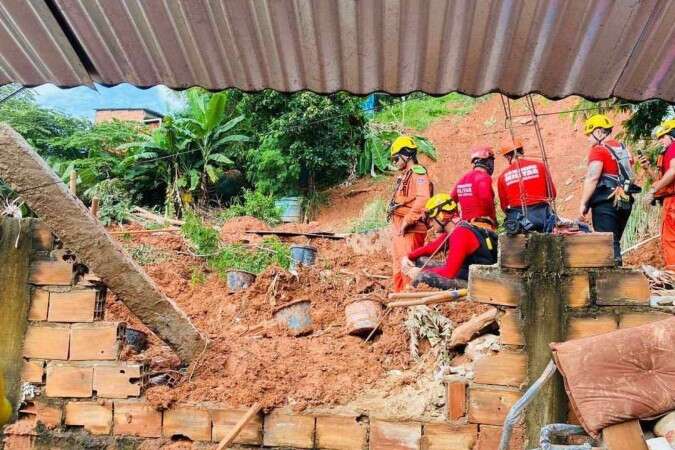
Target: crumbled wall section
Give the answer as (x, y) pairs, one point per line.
(24, 169)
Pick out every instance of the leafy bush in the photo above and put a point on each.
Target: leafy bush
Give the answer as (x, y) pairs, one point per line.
(373, 217)
(255, 204)
(420, 111)
(203, 238)
(375, 156)
(115, 201)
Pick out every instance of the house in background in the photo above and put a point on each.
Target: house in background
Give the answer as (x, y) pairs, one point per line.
(151, 118)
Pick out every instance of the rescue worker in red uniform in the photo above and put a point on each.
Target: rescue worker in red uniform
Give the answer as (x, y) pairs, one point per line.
(525, 190)
(608, 187)
(406, 209)
(474, 191)
(663, 190)
(465, 244)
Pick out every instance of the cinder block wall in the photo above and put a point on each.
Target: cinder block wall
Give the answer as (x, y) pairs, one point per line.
(71, 358)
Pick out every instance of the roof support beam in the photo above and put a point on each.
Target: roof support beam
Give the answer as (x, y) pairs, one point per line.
(22, 168)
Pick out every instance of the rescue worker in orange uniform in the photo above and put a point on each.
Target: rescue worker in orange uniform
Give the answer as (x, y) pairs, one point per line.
(406, 209)
(663, 190)
(525, 191)
(474, 191)
(608, 187)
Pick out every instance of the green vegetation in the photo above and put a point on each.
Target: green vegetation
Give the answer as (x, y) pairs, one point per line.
(221, 258)
(373, 217)
(420, 110)
(255, 204)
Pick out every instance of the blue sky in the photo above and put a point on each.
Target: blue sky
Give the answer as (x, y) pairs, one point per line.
(81, 101)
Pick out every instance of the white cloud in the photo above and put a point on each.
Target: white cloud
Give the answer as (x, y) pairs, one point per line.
(174, 100)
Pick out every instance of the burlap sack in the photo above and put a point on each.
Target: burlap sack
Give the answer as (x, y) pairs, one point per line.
(618, 376)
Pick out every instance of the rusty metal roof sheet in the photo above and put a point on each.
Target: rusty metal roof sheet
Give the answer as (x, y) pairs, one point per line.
(595, 48)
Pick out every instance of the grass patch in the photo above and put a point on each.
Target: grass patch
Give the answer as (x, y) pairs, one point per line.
(145, 254)
(418, 113)
(373, 217)
(644, 222)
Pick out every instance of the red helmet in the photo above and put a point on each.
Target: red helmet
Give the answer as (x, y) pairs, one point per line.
(482, 152)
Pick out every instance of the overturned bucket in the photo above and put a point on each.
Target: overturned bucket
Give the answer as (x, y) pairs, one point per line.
(295, 317)
(302, 255)
(239, 279)
(362, 317)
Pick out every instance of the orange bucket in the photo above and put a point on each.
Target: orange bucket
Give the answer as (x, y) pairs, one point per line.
(362, 316)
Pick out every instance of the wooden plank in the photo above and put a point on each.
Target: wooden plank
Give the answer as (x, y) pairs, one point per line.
(53, 273)
(188, 421)
(624, 436)
(64, 380)
(488, 284)
(636, 319)
(284, 430)
(504, 368)
(136, 419)
(121, 380)
(456, 399)
(33, 371)
(39, 305)
(510, 328)
(512, 251)
(395, 435)
(224, 420)
(580, 327)
(80, 232)
(441, 436)
(341, 433)
(95, 417)
(74, 306)
(577, 290)
(490, 406)
(95, 341)
(622, 287)
(588, 250)
(47, 342)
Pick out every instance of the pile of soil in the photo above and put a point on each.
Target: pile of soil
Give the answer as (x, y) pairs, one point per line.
(235, 230)
(247, 363)
(649, 253)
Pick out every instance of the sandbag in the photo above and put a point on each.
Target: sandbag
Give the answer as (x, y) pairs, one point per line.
(623, 375)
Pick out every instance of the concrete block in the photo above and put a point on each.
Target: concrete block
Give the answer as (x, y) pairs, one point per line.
(43, 239)
(39, 305)
(588, 250)
(490, 405)
(95, 417)
(395, 436)
(512, 251)
(95, 341)
(441, 436)
(136, 419)
(510, 328)
(580, 327)
(636, 319)
(55, 273)
(65, 380)
(121, 380)
(33, 371)
(488, 284)
(188, 421)
(621, 287)
(456, 399)
(489, 435)
(504, 368)
(47, 341)
(225, 419)
(284, 430)
(577, 290)
(74, 306)
(341, 433)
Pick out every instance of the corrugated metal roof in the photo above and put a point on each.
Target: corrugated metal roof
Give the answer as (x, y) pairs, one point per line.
(595, 48)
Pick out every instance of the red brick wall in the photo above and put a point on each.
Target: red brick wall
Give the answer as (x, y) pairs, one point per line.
(136, 115)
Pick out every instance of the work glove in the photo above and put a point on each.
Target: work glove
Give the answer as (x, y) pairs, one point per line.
(412, 272)
(406, 262)
(618, 195)
(649, 197)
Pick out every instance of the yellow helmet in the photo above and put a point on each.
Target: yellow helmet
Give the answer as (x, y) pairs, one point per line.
(438, 203)
(595, 122)
(402, 142)
(666, 127)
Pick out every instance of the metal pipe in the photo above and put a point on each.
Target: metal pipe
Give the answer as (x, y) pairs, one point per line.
(517, 409)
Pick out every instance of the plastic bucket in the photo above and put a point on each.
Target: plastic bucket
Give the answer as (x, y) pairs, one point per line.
(239, 279)
(295, 317)
(304, 255)
(291, 209)
(362, 317)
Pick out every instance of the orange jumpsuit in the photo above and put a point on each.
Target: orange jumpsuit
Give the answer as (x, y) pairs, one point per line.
(412, 194)
(668, 221)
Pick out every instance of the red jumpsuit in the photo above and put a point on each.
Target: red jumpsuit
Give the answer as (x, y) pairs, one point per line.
(525, 182)
(668, 220)
(475, 196)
